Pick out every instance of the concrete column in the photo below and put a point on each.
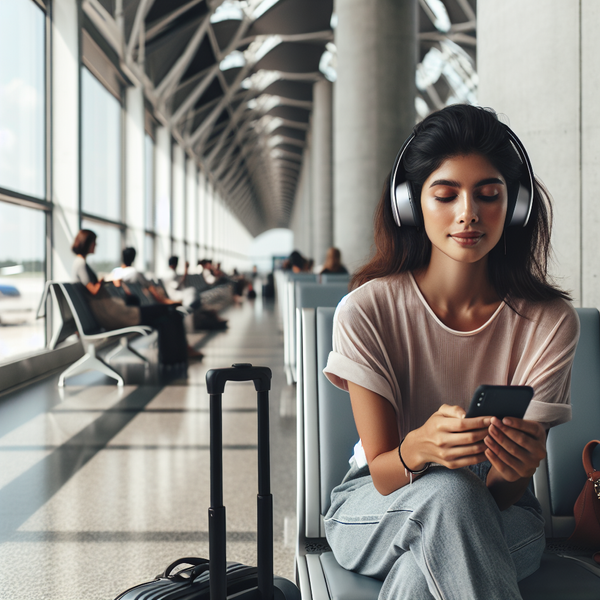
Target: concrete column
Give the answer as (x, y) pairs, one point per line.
(65, 138)
(590, 155)
(301, 222)
(374, 111)
(163, 199)
(135, 172)
(551, 102)
(307, 202)
(322, 169)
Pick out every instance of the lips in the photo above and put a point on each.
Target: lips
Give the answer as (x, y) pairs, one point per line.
(467, 238)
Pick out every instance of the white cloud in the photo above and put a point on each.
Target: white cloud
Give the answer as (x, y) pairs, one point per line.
(18, 93)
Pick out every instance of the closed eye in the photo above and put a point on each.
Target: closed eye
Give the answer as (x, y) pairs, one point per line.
(486, 198)
(445, 198)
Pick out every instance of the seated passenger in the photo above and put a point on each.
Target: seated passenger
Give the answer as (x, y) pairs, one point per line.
(113, 313)
(456, 295)
(176, 286)
(297, 263)
(127, 273)
(204, 318)
(333, 262)
(206, 271)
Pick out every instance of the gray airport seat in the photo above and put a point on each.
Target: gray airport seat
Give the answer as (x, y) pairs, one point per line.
(308, 294)
(335, 277)
(287, 300)
(326, 435)
(77, 317)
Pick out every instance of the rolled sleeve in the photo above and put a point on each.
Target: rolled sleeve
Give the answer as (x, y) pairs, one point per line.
(359, 354)
(340, 369)
(549, 374)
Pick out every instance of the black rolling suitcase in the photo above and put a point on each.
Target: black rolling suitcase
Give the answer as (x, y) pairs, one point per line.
(215, 579)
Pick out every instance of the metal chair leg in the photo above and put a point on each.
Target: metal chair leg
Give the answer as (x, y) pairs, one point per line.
(89, 362)
(124, 349)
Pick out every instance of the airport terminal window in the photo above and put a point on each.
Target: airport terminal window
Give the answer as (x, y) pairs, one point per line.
(108, 247)
(101, 149)
(22, 97)
(22, 264)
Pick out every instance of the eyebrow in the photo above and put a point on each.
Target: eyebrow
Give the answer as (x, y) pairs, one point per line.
(451, 183)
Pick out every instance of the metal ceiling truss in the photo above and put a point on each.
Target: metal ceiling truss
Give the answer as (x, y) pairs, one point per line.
(235, 89)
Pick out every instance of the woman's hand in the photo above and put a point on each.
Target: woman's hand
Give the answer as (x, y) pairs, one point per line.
(515, 447)
(447, 438)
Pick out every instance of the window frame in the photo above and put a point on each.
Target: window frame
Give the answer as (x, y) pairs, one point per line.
(44, 204)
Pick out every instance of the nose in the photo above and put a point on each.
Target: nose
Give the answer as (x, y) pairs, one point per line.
(467, 209)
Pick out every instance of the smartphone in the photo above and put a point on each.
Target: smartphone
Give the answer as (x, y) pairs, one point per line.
(500, 401)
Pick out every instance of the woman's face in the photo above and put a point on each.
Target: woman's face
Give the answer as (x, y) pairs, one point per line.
(92, 247)
(464, 206)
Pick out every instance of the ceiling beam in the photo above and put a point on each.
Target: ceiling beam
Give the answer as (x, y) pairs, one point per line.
(138, 27)
(201, 133)
(172, 78)
(203, 85)
(158, 26)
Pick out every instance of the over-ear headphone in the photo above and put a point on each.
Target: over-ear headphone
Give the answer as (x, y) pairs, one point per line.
(406, 208)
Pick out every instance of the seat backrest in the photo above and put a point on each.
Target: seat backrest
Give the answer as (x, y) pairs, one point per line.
(75, 294)
(311, 295)
(141, 293)
(565, 443)
(335, 277)
(197, 281)
(114, 291)
(337, 431)
(68, 326)
(289, 318)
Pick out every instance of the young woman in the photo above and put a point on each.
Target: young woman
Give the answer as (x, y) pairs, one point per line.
(113, 313)
(456, 296)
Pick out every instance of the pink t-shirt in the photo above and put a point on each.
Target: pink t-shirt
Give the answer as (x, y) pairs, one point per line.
(386, 338)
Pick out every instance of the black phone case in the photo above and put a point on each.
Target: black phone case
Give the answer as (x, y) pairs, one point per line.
(500, 401)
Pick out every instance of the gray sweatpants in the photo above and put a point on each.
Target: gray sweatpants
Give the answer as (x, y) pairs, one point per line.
(442, 537)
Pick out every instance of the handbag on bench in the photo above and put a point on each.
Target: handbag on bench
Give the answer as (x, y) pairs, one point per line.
(587, 505)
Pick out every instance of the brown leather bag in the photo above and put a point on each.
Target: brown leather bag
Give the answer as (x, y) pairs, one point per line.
(587, 506)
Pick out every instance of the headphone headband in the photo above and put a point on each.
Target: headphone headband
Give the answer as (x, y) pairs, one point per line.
(406, 208)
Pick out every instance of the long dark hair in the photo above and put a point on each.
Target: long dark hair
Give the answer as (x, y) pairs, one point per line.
(518, 264)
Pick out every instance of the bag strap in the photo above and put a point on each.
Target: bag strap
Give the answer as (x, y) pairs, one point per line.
(593, 474)
(586, 457)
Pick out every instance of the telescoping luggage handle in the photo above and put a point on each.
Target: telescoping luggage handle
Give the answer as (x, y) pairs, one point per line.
(215, 384)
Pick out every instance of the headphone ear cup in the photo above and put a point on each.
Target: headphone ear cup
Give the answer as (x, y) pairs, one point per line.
(403, 206)
(522, 209)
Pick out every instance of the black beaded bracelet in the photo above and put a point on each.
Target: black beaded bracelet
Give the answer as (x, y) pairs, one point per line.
(409, 472)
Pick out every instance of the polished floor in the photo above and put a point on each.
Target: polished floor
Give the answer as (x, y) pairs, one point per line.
(101, 488)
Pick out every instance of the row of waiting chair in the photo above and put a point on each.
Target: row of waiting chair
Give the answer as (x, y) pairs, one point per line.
(77, 318)
(298, 290)
(326, 435)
